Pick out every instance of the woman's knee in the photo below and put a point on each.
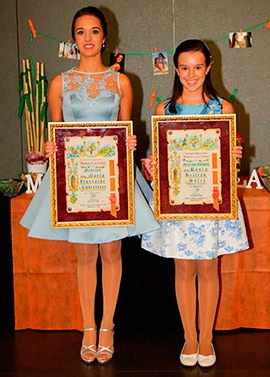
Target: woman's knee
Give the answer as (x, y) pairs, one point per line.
(207, 269)
(111, 252)
(86, 253)
(185, 269)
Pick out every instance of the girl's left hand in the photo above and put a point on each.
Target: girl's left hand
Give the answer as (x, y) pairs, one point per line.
(237, 153)
(132, 142)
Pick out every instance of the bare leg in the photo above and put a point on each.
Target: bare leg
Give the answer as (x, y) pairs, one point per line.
(111, 277)
(87, 280)
(185, 288)
(208, 286)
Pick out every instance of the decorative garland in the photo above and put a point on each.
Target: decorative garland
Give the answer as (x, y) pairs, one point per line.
(34, 33)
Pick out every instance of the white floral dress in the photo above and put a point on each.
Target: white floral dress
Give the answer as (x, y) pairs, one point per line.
(197, 239)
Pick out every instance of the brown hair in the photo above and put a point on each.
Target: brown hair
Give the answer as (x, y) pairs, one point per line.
(208, 89)
(91, 11)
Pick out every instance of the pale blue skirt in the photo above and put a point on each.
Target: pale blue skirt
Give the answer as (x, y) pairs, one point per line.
(37, 218)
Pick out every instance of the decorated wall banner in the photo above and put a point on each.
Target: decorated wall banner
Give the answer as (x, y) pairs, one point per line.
(194, 167)
(91, 174)
(196, 172)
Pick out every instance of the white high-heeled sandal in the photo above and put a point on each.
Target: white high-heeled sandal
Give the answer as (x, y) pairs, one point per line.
(105, 350)
(189, 360)
(88, 350)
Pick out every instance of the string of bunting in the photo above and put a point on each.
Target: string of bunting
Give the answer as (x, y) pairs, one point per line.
(34, 33)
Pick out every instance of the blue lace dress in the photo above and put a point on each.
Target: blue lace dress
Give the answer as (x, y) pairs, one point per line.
(197, 239)
(87, 97)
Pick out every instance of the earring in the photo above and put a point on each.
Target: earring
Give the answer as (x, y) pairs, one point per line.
(103, 45)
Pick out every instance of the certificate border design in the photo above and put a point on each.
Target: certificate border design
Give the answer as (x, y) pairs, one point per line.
(130, 220)
(159, 215)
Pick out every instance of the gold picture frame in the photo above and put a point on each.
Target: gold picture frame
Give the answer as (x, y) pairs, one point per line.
(91, 174)
(195, 175)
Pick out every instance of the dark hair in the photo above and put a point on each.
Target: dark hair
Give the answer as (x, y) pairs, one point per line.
(247, 40)
(234, 39)
(91, 11)
(208, 89)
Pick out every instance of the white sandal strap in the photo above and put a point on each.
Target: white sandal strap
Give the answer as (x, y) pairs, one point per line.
(105, 350)
(107, 329)
(88, 348)
(90, 329)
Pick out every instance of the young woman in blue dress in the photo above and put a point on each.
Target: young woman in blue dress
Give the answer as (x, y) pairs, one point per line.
(195, 245)
(91, 92)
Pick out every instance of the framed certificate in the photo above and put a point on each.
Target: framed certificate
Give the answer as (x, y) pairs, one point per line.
(195, 176)
(91, 175)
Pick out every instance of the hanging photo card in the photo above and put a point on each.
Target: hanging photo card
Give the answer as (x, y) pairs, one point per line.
(91, 174)
(160, 63)
(240, 40)
(196, 173)
(68, 50)
(117, 62)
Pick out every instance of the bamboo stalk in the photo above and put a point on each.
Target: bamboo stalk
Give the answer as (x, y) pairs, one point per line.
(42, 132)
(37, 108)
(27, 115)
(35, 128)
(32, 104)
(42, 123)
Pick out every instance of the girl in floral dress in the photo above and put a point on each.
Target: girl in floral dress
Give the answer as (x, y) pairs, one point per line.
(196, 244)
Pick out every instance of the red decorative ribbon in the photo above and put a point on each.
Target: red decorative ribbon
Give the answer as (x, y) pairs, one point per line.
(113, 200)
(215, 196)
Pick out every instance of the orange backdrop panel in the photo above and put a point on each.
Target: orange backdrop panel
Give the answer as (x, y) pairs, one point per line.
(245, 276)
(45, 282)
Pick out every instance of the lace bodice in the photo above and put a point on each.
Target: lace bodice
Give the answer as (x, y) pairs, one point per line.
(90, 97)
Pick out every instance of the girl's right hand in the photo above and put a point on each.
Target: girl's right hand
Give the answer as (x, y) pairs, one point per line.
(49, 148)
(152, 163)
(148, 167)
